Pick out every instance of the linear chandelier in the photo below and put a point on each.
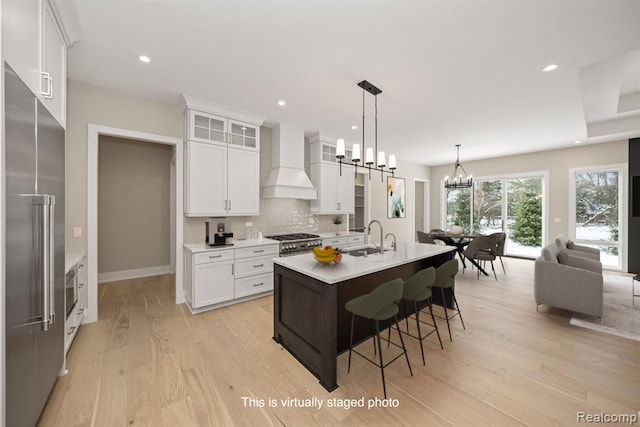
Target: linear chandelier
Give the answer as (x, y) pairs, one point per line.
(355, 151)
(457, 179)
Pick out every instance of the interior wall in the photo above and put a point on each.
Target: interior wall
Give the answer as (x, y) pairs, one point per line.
(419, 206)
(133, 205)
(87, 104)
(401, 227)
(556, 162)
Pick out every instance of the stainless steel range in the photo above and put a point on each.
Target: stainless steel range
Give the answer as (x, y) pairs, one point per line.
(296, 243)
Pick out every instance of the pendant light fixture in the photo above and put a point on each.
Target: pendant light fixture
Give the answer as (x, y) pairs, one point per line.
(356, 154)
(458, 180)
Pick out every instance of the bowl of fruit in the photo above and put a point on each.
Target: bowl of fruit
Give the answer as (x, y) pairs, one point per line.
(327, 255)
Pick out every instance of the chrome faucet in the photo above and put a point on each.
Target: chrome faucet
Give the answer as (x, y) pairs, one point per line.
(381, 233)
(394, 245)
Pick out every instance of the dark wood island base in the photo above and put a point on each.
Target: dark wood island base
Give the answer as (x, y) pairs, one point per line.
(309, 316)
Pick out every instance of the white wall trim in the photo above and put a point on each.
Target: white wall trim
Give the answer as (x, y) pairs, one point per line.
(133, 274)
(426, 205)
(93, 134)
(623, 196)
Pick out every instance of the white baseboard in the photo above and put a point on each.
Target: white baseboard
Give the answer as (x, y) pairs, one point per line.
(133, 274)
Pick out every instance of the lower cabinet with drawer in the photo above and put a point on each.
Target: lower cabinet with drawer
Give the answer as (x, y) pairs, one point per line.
(215, 278)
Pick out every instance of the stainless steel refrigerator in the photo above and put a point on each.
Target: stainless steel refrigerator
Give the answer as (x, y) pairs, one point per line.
(34, 252)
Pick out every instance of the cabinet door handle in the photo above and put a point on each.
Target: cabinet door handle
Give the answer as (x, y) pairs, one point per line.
(225, 204)
(233, 268)
(215, 256)
(229, 204)
(73, 328)
(258, 265)
(47, 94)
(255, 285)
(257, 252)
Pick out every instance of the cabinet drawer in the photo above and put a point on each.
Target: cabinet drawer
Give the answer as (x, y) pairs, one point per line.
(258, 251)
(336, 242)
(356, 239)
(254, 285)
(213, 256)
(253, 266)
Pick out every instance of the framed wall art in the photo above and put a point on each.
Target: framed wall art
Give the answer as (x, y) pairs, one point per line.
(396, 202)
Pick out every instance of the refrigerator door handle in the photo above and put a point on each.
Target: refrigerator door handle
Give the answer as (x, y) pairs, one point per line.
(46, 202)
(51, 259)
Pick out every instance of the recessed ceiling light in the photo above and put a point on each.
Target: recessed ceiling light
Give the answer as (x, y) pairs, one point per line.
(550, 67)
(354, 127)
(144, 58)
(577, 142)
(282, 103)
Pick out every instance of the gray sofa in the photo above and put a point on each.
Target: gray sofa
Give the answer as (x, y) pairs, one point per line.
(567, 279)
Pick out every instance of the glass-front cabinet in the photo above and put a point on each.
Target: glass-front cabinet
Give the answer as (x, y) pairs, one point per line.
(205, 127)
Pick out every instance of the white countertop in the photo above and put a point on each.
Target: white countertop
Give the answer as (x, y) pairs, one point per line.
(72, 259)
(356, 266)
(236, 244)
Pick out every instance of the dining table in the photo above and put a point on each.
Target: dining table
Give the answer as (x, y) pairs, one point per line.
(460, 241)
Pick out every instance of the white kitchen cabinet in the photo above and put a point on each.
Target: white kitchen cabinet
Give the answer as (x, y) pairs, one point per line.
(221, 181)
(210, 277)
(205, 127)
(54, 67)
(74, 319)
(222, 163)
(336, 242)
(254, 269)
(36, 50)
(356, 239)
(335, 192)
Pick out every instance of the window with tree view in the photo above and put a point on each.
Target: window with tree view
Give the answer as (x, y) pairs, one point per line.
(596, 196)
(509, 204)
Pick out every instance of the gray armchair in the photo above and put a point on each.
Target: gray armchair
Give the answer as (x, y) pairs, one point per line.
(569, 282)
(577, 250)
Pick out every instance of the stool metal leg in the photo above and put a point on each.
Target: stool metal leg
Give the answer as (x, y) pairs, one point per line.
(353, 316)
(458, 308)
(415, 308)
(384, 386)
(446, 315)
(434, 323)
(406, 355)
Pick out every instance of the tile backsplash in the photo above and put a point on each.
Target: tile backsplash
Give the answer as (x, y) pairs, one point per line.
(277, 216)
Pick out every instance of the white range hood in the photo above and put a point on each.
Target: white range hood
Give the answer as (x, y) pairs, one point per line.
(287, 179)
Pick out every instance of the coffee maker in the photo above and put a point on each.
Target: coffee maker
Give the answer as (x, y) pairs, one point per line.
(216, 232)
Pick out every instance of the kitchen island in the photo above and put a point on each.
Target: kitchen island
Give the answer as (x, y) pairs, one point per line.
(310, 320)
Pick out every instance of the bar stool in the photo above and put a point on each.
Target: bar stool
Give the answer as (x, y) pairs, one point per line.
(379, 304)
(418, 289)
(446, 278)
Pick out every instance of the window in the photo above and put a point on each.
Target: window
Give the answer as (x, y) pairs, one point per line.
(513, 204)
(596, 215)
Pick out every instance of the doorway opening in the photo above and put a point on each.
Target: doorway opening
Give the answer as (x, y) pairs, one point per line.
(420, 206)
(176, 208)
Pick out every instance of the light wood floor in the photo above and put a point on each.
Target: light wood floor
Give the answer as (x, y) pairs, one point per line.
(150, 362)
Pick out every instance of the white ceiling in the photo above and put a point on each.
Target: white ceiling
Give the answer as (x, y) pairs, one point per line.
(454, 71)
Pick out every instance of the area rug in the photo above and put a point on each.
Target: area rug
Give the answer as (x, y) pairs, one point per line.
(620, 317)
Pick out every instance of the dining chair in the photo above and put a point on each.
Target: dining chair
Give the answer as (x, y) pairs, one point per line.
(502, 238)
(425, 237)
(483, 249)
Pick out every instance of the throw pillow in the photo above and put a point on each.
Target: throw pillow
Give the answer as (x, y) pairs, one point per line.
(570, 244)
(564, 258)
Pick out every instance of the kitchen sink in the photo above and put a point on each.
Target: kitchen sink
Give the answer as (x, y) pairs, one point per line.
(363, 251)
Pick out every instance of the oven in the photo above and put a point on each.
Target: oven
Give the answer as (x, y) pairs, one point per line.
(73, 281)
(296, 243)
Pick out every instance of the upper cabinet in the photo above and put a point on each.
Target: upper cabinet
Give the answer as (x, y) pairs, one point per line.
(222, 161)
(34, 46)
(204, 127)
(335, 189)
